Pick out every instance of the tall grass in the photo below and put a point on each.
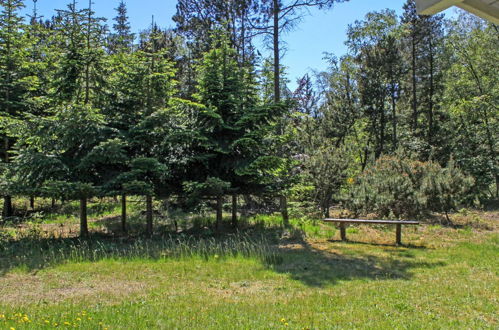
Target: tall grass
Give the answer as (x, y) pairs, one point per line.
(40, 253)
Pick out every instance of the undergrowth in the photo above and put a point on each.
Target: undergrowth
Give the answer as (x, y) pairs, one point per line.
(40, 253)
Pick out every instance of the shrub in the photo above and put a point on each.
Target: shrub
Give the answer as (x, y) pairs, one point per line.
(404, 188)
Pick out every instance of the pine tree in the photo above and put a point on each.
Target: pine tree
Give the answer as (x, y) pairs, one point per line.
(12, 85)
(422, 47)
(80, 73)
(77, 83)
(236, 155)
(121, 40)
(371, 42)
(221, 89)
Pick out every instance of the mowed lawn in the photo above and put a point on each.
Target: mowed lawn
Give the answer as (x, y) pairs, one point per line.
(444, 278)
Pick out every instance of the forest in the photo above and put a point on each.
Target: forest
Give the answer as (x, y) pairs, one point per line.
(404, 124)
(188, 152)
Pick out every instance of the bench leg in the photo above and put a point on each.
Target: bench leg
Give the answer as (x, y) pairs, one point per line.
(399, 234)
(343, 232)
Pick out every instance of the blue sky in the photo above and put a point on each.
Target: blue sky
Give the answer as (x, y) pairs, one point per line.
(321, 31)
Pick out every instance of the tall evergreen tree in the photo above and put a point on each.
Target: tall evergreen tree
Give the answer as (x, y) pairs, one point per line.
(121, 40)
(371, 42)
(77, 88)
(421, 47)
(81, 34)
(13, 86)
(234, 159)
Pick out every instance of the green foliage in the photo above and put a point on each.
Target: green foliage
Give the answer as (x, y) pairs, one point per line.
(79, 75)
(191, 112)
(472, 95)
(121, 41)
(404, 188)
(239, 136)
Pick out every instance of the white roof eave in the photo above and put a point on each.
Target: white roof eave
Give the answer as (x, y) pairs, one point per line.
(487, 9)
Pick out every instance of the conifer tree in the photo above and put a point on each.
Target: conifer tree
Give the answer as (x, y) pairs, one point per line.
(121, 40)
(235, 157)
(12, 85)
(76, 158)
(422, 48)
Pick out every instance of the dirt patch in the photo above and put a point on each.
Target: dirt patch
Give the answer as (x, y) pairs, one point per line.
(235, 290)
(18, 289)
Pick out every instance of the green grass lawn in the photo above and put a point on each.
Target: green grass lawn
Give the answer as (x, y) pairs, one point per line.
(444, 278)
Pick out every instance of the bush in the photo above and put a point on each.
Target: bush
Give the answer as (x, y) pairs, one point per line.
(404, 188)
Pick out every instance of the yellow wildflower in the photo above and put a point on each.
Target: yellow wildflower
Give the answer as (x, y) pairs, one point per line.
(67, 323)
(283, 320)
(78, 319)
(286, 324)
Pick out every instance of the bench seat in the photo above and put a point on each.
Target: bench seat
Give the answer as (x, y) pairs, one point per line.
(398, 223)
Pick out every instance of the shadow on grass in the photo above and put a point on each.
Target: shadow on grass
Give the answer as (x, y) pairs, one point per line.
(409, 245)
(319, 267)
(32, 253)
(313, 265)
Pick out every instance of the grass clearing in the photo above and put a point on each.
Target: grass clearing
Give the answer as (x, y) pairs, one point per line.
(262, 277)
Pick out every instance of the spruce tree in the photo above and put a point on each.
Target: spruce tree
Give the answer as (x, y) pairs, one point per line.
(121, 40)
(235, 157)
(76, 158)
(13, 88)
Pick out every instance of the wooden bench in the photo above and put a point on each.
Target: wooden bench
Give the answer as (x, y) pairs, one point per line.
(398, 223)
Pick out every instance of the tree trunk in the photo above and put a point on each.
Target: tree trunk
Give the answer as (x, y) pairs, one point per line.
(234, 210)
(52, 203)
(277, 92)
(149, 219)
(219, 212)
(497, 186)
(394, 118)
(83, 218)
(327, 205)
(430, 106)
(283, 201)
(7, 200)
(414, 86)
(247, 204)
(123, 213)
(277, 55)
(382, 133)
(32, 202)
(87, 64)
(7, 207)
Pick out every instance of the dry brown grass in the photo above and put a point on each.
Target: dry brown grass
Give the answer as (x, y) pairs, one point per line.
(22, 288)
